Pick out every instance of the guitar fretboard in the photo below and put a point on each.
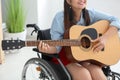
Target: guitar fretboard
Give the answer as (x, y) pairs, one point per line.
(55, 42)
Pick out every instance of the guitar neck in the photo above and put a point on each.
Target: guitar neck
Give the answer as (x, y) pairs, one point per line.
(64, 42)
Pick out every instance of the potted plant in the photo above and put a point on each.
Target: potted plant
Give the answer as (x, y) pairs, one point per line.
(15, 20)
(15, 16)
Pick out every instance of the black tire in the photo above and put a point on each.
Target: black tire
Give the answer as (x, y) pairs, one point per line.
(46, 72)
(113, 76)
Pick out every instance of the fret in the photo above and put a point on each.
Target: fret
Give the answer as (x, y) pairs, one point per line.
(32, 43)
(64, 42)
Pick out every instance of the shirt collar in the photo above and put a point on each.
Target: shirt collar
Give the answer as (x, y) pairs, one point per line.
(81, 21)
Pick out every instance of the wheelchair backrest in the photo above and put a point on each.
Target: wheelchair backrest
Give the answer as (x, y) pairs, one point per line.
(44, 34)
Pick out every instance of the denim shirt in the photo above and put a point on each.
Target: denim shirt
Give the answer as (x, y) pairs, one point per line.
(57, 28)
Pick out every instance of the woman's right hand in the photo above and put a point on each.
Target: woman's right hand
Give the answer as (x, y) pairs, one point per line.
(43, 47)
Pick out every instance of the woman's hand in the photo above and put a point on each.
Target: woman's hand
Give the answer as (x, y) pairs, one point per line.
(43, 47)
(99, 43)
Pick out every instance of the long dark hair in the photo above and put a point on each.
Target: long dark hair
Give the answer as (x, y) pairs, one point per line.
(69, 16)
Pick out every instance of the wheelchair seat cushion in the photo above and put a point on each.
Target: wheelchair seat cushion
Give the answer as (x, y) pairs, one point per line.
(63, 58)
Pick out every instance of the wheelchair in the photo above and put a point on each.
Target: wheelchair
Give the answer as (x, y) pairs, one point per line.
(42, 68)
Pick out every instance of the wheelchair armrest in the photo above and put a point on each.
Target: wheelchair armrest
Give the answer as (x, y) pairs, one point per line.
(54, 55)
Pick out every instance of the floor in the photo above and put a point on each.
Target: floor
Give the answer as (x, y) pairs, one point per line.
(14, 62)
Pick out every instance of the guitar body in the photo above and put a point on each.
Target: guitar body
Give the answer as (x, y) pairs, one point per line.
(108, 56)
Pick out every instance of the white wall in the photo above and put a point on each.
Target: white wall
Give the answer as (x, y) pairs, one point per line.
(30, 11)
(109, 6)
(47, 10)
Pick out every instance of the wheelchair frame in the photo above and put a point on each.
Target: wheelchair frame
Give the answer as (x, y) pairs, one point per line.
(47, 71)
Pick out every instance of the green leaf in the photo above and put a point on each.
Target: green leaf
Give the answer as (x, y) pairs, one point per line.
(15, 20)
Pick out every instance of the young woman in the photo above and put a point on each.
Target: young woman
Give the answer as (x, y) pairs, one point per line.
(75, 12)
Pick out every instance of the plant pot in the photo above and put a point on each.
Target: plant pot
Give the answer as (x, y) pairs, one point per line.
(14, 36)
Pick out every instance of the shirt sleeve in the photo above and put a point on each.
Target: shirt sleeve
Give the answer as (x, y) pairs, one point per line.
(57, 29)
(97, 15)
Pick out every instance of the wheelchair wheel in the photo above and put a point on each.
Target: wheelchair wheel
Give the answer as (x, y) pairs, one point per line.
(113, 76)
(38, 69)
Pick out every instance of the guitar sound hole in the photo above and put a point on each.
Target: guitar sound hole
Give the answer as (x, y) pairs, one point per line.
(85, 42)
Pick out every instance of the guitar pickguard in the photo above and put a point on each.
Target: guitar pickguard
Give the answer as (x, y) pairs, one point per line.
(91, 32)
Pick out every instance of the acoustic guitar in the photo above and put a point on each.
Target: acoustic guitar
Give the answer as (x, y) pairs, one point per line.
(80, 42)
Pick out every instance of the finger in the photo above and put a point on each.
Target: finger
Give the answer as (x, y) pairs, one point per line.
(43, 44)
(96, 45)
(44, 47)
(96, 40)
(47, 46)
(99, 48)
(40, 44)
